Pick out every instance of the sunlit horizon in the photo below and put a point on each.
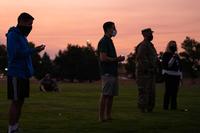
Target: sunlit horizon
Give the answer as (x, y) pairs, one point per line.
(58, 23)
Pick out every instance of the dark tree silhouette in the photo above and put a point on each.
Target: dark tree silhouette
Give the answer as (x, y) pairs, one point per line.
(191, 57)
(3, 59)
(130, 65)
(75, 62)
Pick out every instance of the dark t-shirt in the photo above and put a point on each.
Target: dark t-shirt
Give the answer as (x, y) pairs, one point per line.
(106, 46)
(175, 66)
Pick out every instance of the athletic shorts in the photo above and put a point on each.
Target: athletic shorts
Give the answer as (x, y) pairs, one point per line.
(17, 88)
(109, 85)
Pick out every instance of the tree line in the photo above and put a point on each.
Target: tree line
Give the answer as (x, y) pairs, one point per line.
(81, 62)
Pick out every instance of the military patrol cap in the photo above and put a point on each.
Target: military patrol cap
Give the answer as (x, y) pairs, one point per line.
(147, 31)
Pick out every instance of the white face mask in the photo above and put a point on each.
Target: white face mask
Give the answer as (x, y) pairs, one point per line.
(114, 33)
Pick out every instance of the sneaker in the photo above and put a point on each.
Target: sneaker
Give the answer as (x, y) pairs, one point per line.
(15, 131)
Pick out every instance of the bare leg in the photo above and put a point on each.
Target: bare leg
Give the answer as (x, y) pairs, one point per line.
(102, 106)
(15, 111)
(109, 104)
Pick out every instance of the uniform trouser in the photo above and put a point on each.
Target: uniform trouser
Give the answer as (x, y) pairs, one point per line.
(146, 92)
(171, 90)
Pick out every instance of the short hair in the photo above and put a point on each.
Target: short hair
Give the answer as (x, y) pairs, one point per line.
(25, 17)
(107, 25)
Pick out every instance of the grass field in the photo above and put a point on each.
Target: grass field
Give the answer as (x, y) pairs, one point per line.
(74, 110)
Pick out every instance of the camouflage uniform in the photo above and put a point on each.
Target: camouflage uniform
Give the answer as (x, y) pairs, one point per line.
(146, 60)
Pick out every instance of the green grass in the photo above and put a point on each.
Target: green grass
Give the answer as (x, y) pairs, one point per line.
(74, 110)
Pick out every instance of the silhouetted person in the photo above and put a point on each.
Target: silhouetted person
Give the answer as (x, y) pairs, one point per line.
(146, 65)
(19, 67)
(47, 84)
(172, 71)
(109, 71)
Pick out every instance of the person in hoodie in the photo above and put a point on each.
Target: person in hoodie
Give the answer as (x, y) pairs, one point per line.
(20, 67)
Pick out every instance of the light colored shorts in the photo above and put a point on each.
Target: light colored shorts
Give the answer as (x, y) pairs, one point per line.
(110, 85)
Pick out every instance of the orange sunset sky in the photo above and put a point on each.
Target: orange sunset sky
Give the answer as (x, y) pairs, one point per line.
(59, 22)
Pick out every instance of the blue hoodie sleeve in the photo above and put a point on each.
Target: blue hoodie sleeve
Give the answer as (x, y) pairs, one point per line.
(11, 45)
(25, 53)
(14, 47)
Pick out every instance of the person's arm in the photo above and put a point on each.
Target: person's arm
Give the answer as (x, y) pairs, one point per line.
(165, 61)
(42, 88)
(14, 46)
(105, 58)
(29, 51)
(25, 53)
(181, 71)
(172, 60)
(17, 51)
(103, 50)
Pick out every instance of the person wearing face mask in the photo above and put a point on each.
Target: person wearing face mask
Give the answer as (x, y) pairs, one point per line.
(20, 67)
(172, 71)
(146, 65)
(108, 62)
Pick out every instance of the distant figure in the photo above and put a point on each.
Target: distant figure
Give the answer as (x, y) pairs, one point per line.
(146, 63)
(172, 71)
(109, 71)
(194, 71)
(47, 84)
(19, 67)
(159, 75)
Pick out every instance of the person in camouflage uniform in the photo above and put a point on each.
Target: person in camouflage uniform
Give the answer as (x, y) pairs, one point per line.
(146, 60)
